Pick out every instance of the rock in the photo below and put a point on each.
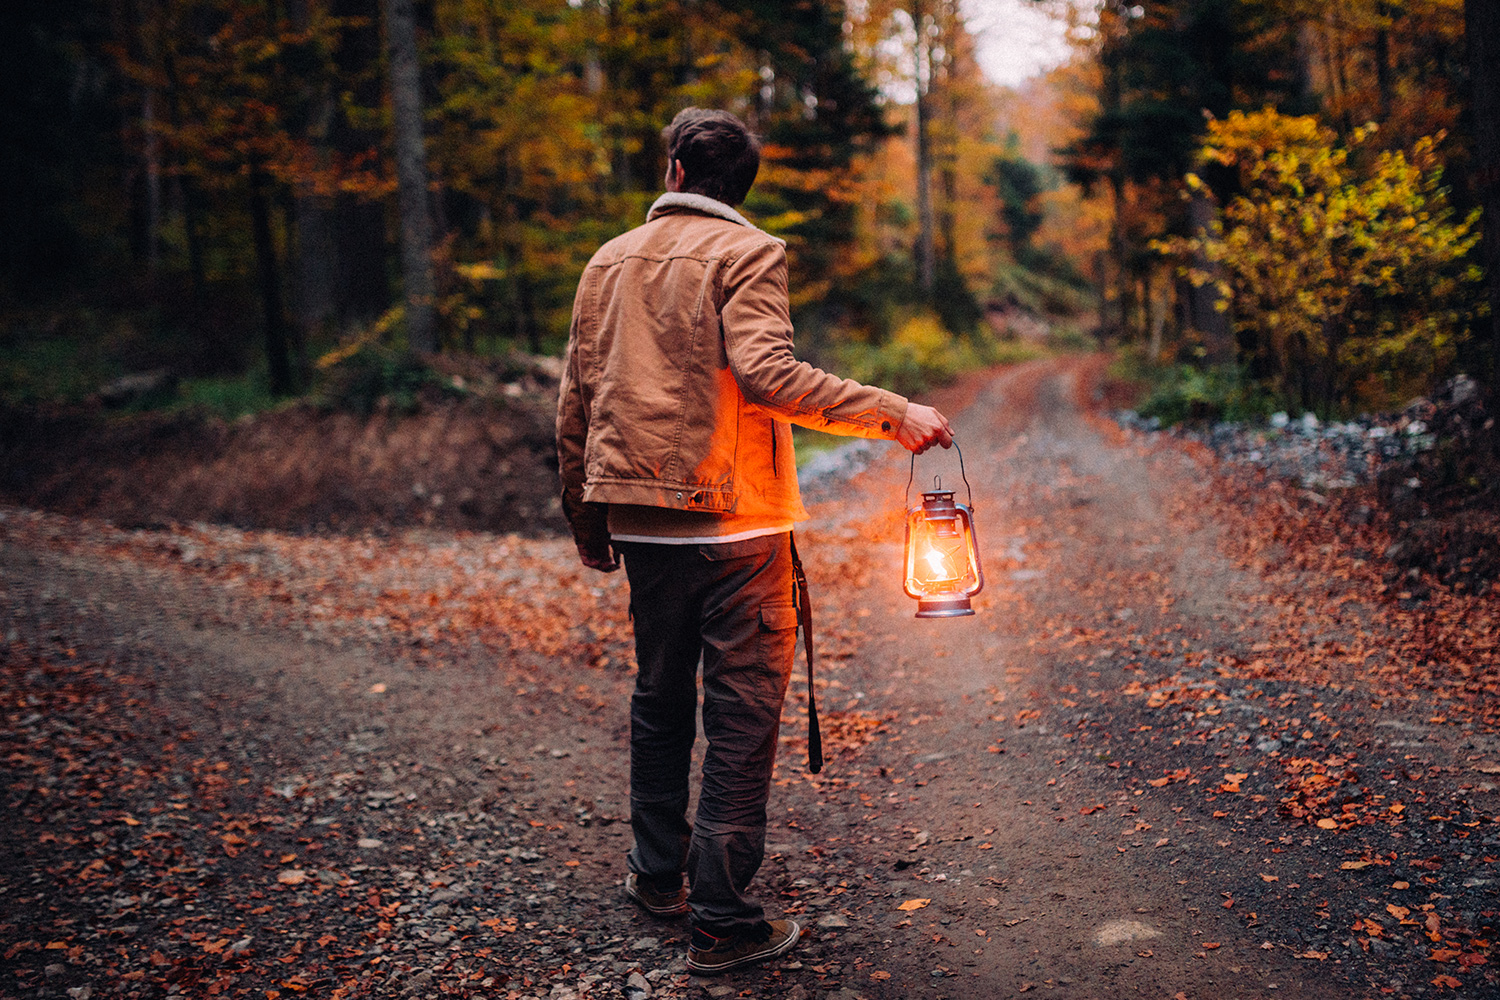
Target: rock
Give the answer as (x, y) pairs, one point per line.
(645, 944)
(141, 386)
(832, 922)
(81, 992)
(637, 987)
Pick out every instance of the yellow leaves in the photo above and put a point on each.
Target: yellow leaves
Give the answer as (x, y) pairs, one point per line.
(913, 904)
(1345, 256)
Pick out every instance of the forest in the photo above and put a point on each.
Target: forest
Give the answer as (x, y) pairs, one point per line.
(1264, 204)
(304, 690)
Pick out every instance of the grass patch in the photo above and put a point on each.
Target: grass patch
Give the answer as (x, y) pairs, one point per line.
(229, 396)
(39, 370)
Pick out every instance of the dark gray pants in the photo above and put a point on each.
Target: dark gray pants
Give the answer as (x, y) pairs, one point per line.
(729, 604)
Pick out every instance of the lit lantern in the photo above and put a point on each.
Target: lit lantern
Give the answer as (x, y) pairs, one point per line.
(942, 553)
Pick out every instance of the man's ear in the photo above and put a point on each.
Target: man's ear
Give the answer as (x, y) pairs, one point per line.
(676, 175)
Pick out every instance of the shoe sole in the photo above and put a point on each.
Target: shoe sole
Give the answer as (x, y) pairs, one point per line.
(740, 963)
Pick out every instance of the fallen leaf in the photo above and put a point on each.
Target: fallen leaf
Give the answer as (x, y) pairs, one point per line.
(1321, 956)
(1401, 885)
(1354, 866)
(1447, 981)
(1399, 912)
(880, 975)
(1270, 878)
(1210, 945)
(913, 904)
(294, 876)
(1328, 824)
(377, 688)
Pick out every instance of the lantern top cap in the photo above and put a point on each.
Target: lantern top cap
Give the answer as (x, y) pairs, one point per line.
(938, 493)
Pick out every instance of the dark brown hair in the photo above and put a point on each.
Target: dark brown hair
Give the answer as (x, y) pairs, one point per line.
(719, 154)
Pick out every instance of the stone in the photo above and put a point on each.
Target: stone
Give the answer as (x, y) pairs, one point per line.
(637, 987)
(1123, 931)
(832, 922)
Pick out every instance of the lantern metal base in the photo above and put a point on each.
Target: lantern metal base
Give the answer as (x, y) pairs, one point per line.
(951, 607)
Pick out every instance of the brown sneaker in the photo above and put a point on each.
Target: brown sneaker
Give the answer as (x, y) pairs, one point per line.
(709, 955)
(655, 902)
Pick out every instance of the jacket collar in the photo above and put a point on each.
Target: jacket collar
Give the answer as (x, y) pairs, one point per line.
(701, 203)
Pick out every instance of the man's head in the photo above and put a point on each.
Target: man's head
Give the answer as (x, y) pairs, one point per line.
(719, 155)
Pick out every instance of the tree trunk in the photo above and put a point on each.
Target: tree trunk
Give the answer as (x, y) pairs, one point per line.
(926, 255)
(1156, 298)
(1208, 319)
(278, 355)
(1383, 60)
(411, 175)
(1482, 26)
(153, 184)
(358, 223)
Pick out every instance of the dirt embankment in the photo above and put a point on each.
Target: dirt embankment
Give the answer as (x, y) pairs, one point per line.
(475, 456)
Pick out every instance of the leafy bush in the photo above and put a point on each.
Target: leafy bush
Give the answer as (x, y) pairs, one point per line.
(920, 355)
(1070, 337)
(1344, 269)
(375, 377)
(229, 396)
(1183, 392)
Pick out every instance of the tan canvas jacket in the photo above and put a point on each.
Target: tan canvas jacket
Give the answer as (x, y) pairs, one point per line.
(680, 384)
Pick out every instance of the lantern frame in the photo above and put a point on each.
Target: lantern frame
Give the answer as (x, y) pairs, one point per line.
(939, 516)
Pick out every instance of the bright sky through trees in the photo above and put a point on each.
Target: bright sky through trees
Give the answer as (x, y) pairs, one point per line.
(1016, 39)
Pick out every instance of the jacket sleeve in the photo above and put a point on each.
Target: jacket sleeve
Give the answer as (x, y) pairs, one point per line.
(588, 520)
(757, 330)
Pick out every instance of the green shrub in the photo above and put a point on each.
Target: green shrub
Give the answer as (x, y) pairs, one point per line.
(374, 377)
(229, 396)
(1185, 392)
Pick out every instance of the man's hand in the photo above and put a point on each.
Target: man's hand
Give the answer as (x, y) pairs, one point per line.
(923, 428)
(604, 559)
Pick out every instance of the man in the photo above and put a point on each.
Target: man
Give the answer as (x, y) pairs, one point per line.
(675, 451)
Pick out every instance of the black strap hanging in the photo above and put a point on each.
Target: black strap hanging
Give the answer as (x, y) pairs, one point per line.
(804, 618)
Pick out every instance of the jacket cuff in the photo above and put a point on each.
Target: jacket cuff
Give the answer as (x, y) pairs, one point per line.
(589, 521)
(892, 413)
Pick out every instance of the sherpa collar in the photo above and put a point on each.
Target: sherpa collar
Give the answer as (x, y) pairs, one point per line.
(704, 204)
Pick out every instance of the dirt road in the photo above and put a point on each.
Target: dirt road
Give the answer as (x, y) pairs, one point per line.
(254, 764)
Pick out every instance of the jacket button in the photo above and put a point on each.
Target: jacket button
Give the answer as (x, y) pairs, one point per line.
(679, 496)
(885, 425)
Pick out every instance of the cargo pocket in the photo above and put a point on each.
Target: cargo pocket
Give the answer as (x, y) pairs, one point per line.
(778, 638)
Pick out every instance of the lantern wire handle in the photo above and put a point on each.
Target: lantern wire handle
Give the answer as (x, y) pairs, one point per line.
(911, 476)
